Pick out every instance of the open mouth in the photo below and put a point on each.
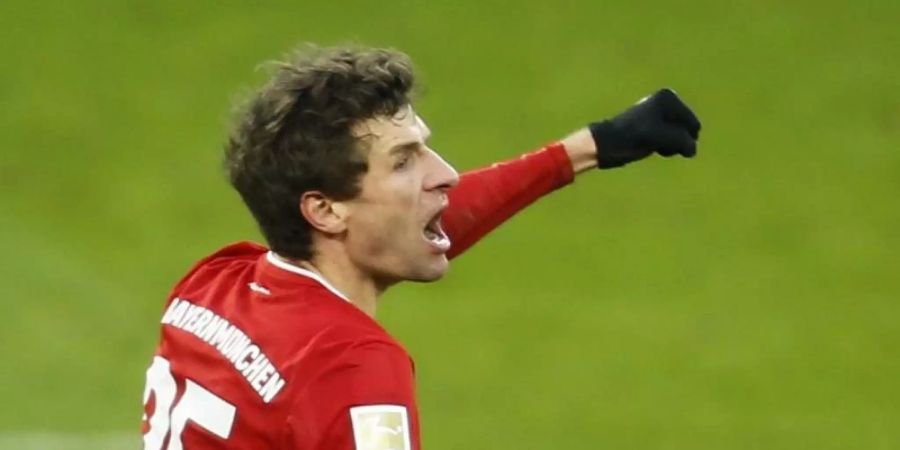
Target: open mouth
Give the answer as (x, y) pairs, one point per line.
(435, 235)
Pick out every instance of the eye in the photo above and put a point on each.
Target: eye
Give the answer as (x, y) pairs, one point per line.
(403, 161)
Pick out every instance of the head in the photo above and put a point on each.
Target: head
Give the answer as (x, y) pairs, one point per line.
(330, 157)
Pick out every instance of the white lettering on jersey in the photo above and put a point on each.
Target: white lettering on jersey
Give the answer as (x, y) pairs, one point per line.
(380, 427)
(248, 358)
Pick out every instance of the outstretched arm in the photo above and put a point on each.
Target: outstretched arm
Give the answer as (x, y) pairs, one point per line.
(487, 197)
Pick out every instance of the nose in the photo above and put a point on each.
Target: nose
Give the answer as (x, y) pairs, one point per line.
(441, 175)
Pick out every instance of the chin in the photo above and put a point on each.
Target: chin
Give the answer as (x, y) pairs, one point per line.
(433, 271)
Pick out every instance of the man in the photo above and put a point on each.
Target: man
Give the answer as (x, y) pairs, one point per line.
(277, 348)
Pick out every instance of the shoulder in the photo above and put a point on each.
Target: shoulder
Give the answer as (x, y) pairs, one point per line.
(344, 350)
(371, 370)
(376, 351)
(369, 384)
(244, 250)
(348, 343)
(238, 252)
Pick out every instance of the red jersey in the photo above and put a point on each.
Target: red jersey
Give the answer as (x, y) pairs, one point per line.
(256, 353)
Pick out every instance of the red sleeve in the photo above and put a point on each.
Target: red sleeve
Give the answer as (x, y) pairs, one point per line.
(486, 197)
(370, 392)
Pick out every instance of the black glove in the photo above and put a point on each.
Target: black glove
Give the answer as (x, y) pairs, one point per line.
(659, 123)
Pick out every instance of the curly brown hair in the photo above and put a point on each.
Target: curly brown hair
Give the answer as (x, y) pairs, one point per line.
(295, 135)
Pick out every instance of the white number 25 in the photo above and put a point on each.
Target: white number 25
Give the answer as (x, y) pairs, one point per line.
(197, 404)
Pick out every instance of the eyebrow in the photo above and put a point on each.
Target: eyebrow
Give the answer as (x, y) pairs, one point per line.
(409, 146)
(405, 147)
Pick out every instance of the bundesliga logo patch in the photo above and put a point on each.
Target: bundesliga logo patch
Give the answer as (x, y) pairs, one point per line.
(380, 427)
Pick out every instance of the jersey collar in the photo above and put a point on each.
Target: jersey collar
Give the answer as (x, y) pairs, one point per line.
(280, 263)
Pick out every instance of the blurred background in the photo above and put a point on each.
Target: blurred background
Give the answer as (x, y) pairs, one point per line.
(746, 299)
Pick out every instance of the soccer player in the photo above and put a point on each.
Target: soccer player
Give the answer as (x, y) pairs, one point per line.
(277, 347)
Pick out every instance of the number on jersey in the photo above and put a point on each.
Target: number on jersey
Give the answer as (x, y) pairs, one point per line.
(201, 407)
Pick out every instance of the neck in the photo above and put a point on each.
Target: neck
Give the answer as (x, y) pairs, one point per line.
(360, 289)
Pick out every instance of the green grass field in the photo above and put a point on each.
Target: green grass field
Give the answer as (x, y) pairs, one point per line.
(747, 299)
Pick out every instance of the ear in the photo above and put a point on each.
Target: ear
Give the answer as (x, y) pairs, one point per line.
(323, 213)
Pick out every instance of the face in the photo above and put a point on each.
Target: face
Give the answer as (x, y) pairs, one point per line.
(393, 226)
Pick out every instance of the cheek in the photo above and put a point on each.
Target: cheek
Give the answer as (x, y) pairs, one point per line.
(396, 202)
(387, 216)
(382, 224)
(381, 228)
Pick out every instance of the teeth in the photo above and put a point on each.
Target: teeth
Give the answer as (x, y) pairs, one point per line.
(433, 231)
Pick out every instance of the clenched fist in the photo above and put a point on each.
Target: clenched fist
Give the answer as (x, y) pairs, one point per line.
(659, 123)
